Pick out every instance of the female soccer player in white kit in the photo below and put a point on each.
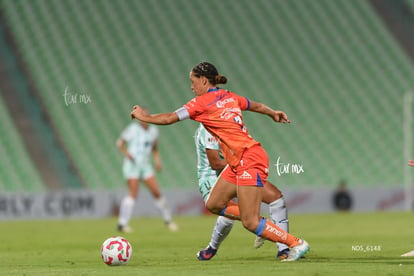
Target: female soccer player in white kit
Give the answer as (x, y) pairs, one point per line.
(137, 143)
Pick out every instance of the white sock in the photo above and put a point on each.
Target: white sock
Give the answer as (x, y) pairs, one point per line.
(125, 210)
(161, 204)
(221, 230)
(278, 214)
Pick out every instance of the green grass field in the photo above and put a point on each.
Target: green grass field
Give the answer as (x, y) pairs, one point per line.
(341, 244)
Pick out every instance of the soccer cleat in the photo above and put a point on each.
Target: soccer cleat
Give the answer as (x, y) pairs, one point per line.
(206, 254)
(172, 226)
(297, 251)
(258, 242)
(124, 229)
(283, 254)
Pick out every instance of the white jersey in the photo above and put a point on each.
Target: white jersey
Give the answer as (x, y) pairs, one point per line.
(204, 140)
(140, 141)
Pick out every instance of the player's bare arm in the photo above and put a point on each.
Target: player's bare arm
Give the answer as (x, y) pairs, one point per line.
(121, 144)
(157, 119)
(216, 163)
(156, 156)
(277, 115)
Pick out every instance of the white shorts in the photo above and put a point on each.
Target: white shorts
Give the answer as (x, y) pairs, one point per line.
(132, 170)
(205, 185)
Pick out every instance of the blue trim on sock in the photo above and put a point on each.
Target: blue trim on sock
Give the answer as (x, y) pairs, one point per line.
(259, 230)
(223, 211)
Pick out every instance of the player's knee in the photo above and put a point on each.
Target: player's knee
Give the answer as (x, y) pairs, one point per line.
(214, 208)
(271, 195)
(250, 224)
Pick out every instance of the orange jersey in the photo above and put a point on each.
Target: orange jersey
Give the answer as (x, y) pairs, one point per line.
(220, 111)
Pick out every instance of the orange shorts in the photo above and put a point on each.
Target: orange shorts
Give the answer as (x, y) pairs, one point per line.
(252, 169)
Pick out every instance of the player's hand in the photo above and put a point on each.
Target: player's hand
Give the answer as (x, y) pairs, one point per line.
(131, 158)
(411, 163)
(136, 112)
(280, 117)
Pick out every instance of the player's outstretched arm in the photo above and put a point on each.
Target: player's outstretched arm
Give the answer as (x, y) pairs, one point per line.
(157, 119)
(411, 163)
(276, 115)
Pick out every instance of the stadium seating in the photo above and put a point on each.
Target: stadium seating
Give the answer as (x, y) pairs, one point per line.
(331, 65)
(17, 172)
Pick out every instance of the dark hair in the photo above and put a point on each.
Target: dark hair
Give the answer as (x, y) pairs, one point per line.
(209, 71)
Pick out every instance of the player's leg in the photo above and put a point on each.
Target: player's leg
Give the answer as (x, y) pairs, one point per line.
(278, 213)
(249, 197)
(224, 190)
(127, 205)
(221, 228)
(247, 210)
(151, 182)
(251, 176)
(131, 174)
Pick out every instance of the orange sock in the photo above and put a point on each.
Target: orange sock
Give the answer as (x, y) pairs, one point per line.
(266, 228)
(272, 232)
(232, 211)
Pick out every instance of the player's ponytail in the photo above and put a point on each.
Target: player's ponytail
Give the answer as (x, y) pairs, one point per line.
(220, 79)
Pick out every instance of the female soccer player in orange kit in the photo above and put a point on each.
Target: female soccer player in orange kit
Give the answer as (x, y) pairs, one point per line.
(220, 112)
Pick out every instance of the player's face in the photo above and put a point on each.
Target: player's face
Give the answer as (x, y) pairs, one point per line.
(198, 85)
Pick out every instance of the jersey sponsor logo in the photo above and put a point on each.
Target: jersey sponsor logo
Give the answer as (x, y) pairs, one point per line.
(220, 100)
(220, 104)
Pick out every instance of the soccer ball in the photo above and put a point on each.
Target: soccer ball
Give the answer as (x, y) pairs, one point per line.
(116, 251)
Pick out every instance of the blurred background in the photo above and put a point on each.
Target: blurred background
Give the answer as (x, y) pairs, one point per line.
(71, 71)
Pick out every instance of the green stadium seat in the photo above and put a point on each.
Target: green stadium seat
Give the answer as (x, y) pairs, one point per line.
(17, 171)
